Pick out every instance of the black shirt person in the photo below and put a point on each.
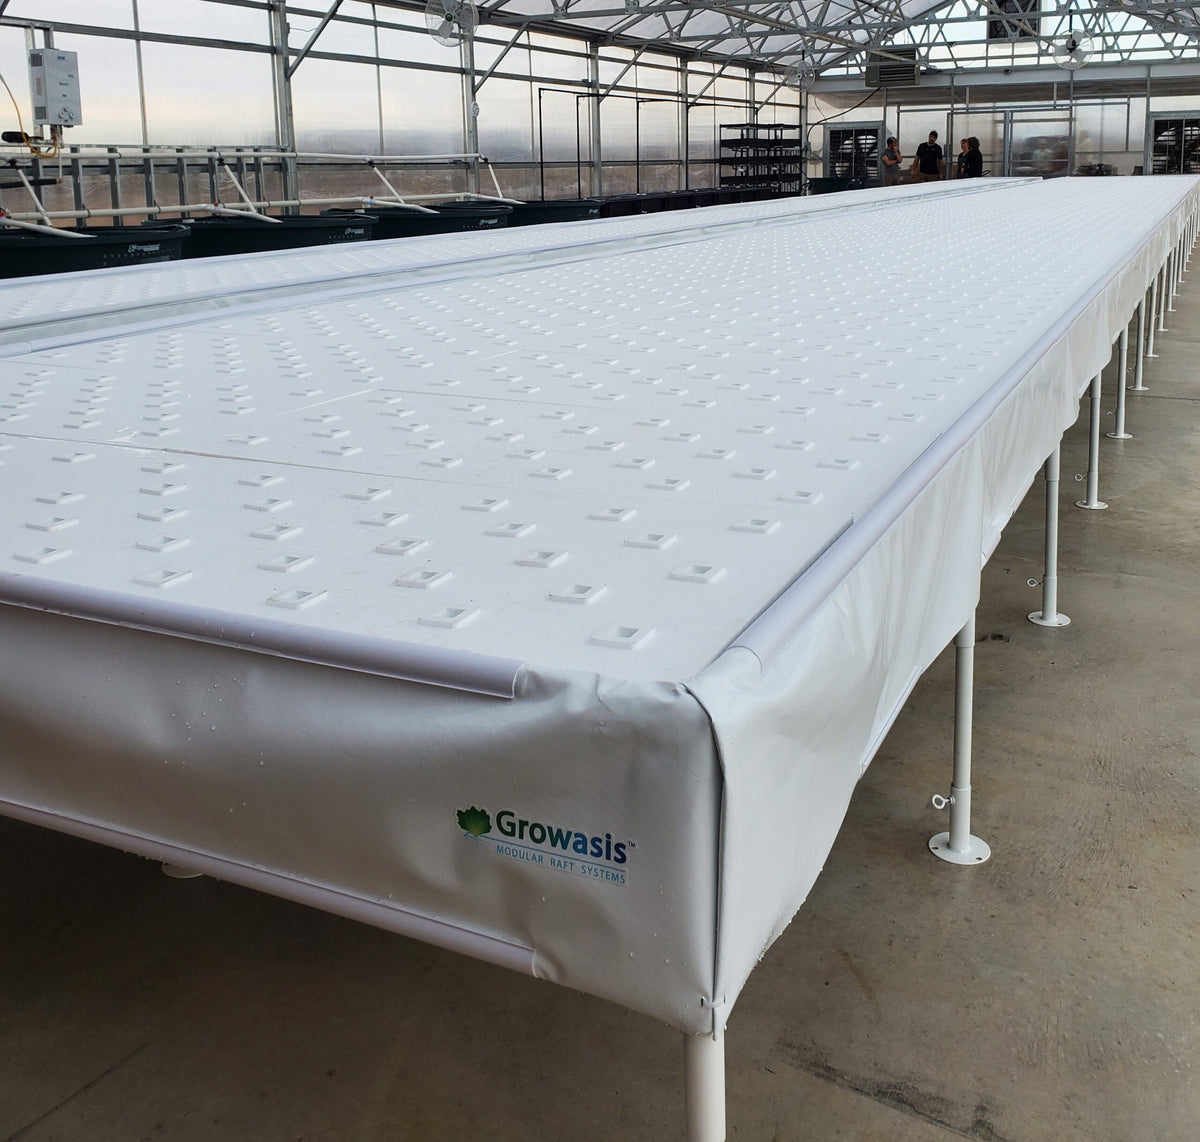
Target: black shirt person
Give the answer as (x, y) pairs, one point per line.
(973, 159)
(931, 166)
(960, 160)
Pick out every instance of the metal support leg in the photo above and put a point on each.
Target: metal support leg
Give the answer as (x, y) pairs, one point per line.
(1119, 432)
(958, 846)
(704, 1078)
(1162, 298)
(1138, 386)
(1093, 500)
(1049, 615)
(1153, 317)
(1173, 278)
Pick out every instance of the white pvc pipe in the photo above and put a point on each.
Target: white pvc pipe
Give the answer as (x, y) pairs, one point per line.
(495, 181)
(704, 1082)
(1093, 500)
(958, 846)
(363, 158)
(1138, 386)
(964, 711)
(244, 196)
(234, 212)
(1049, 615)
(1119, 432)
(56, 231)
(37, 202)
(1153, 315)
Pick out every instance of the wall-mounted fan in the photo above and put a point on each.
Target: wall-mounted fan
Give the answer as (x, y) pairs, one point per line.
(1072, 51)
(800, 76)
(450, 21)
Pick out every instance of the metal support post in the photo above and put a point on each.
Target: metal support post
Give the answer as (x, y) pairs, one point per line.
(1153, 317)
(1093, 500)
(1162, 297)
(1049, 615)
(1172, 278)
(958, 846)
(704, 1079)
(1138, 386)
(1119, 432)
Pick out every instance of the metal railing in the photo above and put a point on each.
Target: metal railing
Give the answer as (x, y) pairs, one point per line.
(237, 167)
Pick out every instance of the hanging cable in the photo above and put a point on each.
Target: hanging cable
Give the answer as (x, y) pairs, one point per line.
(51, 154)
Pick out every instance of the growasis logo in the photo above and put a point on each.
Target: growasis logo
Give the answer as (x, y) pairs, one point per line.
(474, 822)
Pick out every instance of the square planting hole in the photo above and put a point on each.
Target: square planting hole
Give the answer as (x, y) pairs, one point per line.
(166, 577)
(276, 531)
(485, 505)
(296, 599)
(541, 558)
(286, 563)
(654, 540)
(423, 580)
(406, 545)
(449, 618)
(384, 519)
(755, 525)
(621, 637)
(162, 543)
(613, 515)
(578, 593)
(698, 573)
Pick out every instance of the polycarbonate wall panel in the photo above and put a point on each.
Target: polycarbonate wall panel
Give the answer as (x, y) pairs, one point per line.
(207, 18)
(562, 124)
(102, 13)
(550, 65)
(422, 112)
(506, 128)
(702, 132)
(618, 129)
(340, 36)
(108, 90)
(658, 130)
(336, 107)
(205, 95)
(415, 45)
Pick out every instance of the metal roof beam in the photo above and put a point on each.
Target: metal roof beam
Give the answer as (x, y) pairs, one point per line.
(290, 70)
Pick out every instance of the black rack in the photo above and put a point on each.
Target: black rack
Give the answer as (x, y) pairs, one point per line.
(769, 155)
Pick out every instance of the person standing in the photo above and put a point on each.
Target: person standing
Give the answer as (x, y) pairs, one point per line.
(890, 162)
(960, 160)
(973, 159)
(931, 162)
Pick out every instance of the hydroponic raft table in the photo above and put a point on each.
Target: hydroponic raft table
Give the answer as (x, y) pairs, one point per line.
(549, 613)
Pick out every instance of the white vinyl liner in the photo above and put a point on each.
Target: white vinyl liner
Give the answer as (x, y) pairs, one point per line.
(624, 562)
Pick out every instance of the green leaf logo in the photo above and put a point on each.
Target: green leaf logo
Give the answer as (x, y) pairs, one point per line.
(474, 822)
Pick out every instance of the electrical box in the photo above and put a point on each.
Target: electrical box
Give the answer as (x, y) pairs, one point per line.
(54, 88)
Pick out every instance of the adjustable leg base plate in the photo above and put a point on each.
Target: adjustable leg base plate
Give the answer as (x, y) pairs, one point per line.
(976, 853)
(1098, 506)
(1119, 435)
(1059, 619)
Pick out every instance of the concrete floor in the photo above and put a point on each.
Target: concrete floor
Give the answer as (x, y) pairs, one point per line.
(1051, 994)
